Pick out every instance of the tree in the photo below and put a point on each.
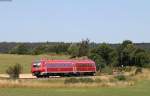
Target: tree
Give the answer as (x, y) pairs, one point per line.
(114, 58)
(61, 48)
(125, 43)
(20, 49)
(124, 52)
(45, 48)
(104, 56)
(14, 71)
(130, 55)
(39, 50)
(141, 57)
(100, 63)
(84, 48)
(73, 50)
(105, 51)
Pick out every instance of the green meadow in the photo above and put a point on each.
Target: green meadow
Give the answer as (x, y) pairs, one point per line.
(25, 60)
(140, 89)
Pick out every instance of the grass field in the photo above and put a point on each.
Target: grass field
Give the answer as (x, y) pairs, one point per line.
(57, 87)
(25, 60)
(140, 89)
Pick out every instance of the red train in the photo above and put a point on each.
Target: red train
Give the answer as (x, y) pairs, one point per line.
(46, 68)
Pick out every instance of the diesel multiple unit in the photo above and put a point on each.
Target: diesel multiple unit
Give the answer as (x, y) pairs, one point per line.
(46, 68)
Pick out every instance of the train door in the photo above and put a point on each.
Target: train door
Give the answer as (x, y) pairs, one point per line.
(74, 68)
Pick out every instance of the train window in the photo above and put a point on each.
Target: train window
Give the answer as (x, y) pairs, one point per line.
(85, 65)
(90, 65)
(59, 65)
(82, 65)
(37, 64)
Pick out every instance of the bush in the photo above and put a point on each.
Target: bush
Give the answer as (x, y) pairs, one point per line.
(20, 49)
(14, 71)
(86, 80)
(138, 70)
(79, 80)
(71, 80)
(127, 69)
(98, 80)
(73, 50)
(107, 70)
(120, 77)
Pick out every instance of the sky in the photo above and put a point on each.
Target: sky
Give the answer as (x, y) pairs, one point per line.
(110, 21)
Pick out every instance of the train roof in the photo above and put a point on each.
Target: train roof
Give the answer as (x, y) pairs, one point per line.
(69, 61)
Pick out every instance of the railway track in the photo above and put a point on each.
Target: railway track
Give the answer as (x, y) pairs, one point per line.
(30, 77)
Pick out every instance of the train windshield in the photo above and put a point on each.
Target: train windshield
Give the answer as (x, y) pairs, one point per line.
(36, 64)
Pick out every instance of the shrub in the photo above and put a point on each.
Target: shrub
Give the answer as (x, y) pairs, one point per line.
(86, 80)
(127, 69)
(138, 70)
(14, 71)
(146, 65)
(121, 77)
(98, 80)
(107, 70)
(71, 80)
(79, 80)
(20, 49)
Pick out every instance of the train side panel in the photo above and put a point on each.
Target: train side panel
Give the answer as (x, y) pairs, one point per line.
(86, 67)
(59, 67)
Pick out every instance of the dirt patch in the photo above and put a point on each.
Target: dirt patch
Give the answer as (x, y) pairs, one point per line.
(21, 76)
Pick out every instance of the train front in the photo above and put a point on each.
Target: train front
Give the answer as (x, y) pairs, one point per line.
(36, 68)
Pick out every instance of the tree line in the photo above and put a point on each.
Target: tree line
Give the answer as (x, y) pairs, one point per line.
(126, 54)
(105, 55)
(5, 47)
(45, 48)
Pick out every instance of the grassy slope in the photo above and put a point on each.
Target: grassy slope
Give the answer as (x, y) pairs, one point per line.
(141, 89)
(26, 60)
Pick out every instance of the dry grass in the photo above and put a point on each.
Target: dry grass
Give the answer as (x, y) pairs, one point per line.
(28, 84)
(145, 75)
(105, 81)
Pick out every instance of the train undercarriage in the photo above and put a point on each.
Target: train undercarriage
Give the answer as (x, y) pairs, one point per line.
(70, 74)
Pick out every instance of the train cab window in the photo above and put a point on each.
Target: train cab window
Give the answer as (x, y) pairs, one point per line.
(37, 64)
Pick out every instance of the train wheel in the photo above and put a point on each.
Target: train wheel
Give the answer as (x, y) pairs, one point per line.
(46, 76)
(38, 76)
(93, 74)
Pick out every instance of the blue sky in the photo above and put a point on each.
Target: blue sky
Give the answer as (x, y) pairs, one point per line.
(109, 21)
